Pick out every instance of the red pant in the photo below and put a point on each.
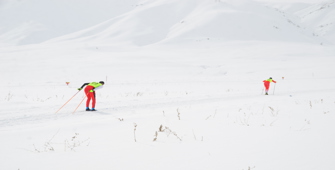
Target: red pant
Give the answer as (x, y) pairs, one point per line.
(90, 96)
(267, 86)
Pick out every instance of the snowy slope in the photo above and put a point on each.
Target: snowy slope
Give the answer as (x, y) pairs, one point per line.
(188, 97)
(189, 20)
(34, 21)
(209, 102)
(321, 18)
(140, 22)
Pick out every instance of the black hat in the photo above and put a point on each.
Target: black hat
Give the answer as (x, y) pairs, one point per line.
(101, 82)
(270, 78)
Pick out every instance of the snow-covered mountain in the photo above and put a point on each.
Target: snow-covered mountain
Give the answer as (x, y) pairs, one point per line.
(35, 21)
(145, 22)
(320, 18)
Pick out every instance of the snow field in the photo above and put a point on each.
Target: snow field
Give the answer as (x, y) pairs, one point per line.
(183, 85)
(201, 111)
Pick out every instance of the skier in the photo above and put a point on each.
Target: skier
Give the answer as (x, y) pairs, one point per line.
(267, 84)
(90, 93)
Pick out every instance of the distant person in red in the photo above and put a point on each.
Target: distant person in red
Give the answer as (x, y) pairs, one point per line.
(90, 93)
(267, 84)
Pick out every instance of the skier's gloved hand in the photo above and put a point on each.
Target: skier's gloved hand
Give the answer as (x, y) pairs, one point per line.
(79, 89)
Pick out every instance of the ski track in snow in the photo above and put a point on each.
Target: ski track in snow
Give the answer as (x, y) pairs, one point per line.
(41, 116)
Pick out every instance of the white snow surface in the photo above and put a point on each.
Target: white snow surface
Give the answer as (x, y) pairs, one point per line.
(183, 85)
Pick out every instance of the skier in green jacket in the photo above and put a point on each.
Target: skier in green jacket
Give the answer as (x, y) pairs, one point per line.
(90, 93)
(267, 84)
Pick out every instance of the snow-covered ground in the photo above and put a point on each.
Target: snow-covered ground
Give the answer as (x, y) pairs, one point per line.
(183, 91)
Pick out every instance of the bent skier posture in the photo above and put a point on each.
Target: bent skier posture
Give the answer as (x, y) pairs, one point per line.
(90, 93)
(267, 84)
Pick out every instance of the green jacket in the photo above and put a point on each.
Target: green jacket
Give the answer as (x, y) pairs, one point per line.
(95, 86)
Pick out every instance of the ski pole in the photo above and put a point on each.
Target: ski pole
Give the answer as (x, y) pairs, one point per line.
(80, 103)
(274, 89)
(68, 101)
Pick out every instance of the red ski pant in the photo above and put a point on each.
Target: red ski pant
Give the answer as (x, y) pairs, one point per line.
(267, 86)
(90, 96)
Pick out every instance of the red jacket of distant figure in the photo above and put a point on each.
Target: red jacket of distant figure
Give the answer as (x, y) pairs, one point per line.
(267, 83)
